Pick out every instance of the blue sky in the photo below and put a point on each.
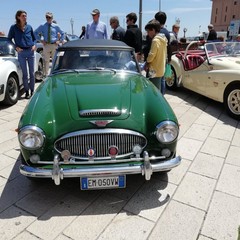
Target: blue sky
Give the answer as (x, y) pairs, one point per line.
(194, 15)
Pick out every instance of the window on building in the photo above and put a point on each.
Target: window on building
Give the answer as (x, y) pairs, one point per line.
(233, 16)
(226, 9)
(216, 10)
(235, 2)
(225, 18)
(215, 19)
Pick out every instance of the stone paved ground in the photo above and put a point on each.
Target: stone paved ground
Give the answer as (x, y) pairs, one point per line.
(200, 199)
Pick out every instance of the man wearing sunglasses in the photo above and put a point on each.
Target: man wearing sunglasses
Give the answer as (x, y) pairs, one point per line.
(50, 34)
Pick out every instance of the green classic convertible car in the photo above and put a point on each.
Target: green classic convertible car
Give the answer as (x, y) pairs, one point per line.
(97, 118)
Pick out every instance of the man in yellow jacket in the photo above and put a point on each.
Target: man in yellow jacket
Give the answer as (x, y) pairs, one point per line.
(156, 60)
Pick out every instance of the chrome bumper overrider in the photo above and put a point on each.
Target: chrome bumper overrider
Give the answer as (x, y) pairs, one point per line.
(57, 173)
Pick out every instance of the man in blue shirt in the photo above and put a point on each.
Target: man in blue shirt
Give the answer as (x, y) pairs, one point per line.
(96, 29)
(50, 34)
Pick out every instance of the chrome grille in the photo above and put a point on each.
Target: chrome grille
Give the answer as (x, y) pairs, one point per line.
(78, 143)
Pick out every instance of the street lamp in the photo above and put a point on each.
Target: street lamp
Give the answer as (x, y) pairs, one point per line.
(140, 14)
(160, 3)
(71, 21)
(184, 30)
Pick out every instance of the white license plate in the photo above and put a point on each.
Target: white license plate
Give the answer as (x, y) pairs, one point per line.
(103, 182)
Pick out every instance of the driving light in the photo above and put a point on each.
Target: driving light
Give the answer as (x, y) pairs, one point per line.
(167, 131)
(35, 158)
(31, 137)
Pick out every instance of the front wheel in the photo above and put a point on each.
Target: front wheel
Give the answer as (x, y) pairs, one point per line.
(171, 83)
(12, 90)
(232, 100)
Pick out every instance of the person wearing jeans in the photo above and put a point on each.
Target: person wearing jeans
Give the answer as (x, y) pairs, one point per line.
(24, 39)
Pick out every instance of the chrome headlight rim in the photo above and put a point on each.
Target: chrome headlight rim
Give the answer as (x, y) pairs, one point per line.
(33, 131)
(167, 125)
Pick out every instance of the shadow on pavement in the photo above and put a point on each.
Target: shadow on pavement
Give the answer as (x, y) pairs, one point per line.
(43, 199)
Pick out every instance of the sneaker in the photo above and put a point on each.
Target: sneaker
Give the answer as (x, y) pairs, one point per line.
(27, 95)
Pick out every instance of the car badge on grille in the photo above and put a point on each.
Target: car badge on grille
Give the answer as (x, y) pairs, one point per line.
(101, 123)
(90, 152)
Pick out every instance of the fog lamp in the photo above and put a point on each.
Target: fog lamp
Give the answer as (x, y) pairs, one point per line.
(35, 158)
(166, 152)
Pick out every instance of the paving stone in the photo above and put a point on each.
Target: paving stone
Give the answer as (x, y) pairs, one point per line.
(222, 131)
(233, 156)
(134, 182)
(179, 221)
(195, 190)
(207, 165)
(188, 148)
(201, 237)
(236, 137)
(151, 200)
(26, 236)
(17, 220)
(6, 161)
(198, 132)
(13, 191)
(103, 210)
(62, 237)
(206, 119)
(57, 218)
(127, 226)
(8, 145)
(45, 197)
(216, 147)
(10, 172)
(222, 219)
(176, 174)
(229, 181)
(7, 135)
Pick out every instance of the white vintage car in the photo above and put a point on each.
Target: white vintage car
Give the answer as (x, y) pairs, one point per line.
(212, 70)
(11, 73)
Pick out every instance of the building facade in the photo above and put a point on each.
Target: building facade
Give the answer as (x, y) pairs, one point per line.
(224, 12)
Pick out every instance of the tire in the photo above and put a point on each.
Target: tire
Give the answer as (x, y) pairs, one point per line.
(12, 90)
(232, 100)
(171, 83)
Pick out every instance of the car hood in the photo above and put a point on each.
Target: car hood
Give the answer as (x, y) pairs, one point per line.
(94, 95)
(57, 103)
(226, 62)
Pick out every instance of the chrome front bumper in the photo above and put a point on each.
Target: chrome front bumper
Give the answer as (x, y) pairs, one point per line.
(57, 173)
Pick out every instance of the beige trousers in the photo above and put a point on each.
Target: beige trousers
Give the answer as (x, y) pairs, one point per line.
(48, 52)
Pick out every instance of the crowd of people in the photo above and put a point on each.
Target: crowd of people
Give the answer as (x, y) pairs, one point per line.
(156, 51)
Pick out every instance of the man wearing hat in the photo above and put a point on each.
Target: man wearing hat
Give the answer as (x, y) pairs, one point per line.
(50, 34)
(96, 29)
(212, 36)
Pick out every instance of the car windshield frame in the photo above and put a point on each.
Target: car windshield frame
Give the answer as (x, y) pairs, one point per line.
(222, 49)
(94, 59)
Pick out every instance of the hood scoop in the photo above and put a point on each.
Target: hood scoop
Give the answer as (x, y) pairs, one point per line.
(100, 112)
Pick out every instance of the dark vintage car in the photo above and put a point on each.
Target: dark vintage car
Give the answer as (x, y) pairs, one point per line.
(97, 118)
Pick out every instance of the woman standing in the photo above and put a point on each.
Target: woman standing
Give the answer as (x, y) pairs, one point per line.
(24, 39)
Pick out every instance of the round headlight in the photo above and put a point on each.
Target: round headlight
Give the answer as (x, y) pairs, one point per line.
(31, 137)
(167, 131)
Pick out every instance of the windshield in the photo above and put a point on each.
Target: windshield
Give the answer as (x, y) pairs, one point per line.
(94, 60)
(216, 49)
(6, 47)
